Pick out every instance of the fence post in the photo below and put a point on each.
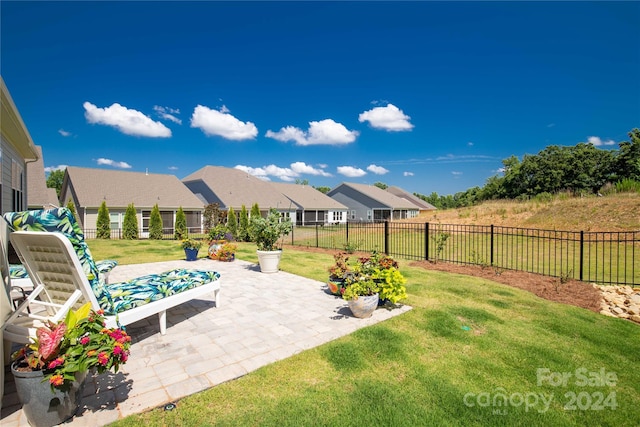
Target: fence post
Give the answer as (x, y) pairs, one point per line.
(386, 237)
(581, 253)
(317, 238)
(426, 241)
(491, 249)
(347, 232)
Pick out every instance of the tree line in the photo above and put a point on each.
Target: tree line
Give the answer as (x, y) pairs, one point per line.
(581, 169)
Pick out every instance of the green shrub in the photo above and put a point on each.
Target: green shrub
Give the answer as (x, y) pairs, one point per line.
(103, 223)
(155, 224)
(628, 185)
(243, 228)
(130, 223)
(181, 225)
(232, 223)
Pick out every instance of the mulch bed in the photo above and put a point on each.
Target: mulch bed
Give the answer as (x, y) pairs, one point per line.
(573, 292)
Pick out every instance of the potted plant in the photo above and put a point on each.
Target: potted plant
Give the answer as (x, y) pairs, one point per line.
(49, 372)
(218, 236)
(339, 272)
(266, 232)
(191, 248)
(361, 293)
(226, 252)
(375, 277)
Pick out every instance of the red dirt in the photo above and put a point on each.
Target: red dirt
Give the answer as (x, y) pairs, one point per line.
(573, 292)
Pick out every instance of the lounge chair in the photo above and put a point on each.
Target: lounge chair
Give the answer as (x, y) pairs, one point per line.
(61, 282)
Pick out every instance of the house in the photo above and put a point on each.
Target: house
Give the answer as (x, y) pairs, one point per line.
(312, 206)
(39, 195)
(16, 151)
(87, 188)
(233, 188)
(370, 203)
(422, 205)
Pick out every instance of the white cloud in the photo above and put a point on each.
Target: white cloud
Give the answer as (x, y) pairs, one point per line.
(389, 118)
(550, 125)
(168, 113)
(595, 140)
(55, 168)
(351, 172)
(173, 168)
(64, 133)
(303, 168)
(109, 162)
(470, 144)
(221, 123)
(456, 173)
(378, 170)
(324, 132)
(129, 122)
(285, 174)
(407, 173)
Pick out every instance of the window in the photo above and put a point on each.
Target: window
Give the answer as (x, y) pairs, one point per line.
(17, 193)
(145, 221)
(353, 214)
(114, 221)
(369, 215)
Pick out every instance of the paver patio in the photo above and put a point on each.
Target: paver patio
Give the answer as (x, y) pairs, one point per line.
(262, 318)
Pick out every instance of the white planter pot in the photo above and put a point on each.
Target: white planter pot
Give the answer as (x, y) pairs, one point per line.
(269, 261)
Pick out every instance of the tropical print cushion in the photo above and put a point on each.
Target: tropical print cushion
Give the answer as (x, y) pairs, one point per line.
(61, 220)
(18, 271)
(145, 289)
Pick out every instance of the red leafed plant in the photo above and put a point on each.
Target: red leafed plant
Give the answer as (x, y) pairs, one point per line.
(79, 343)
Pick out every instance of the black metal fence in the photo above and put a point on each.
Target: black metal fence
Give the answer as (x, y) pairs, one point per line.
(599, 257)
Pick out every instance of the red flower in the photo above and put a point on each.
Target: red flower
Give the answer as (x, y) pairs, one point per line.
(85, 340)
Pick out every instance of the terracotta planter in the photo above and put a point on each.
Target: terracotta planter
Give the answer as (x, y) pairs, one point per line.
(41, 406)
(364, 306)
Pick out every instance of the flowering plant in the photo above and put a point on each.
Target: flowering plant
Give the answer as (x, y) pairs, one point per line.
(376, 273)
(226, 252)
(191, 244)
(77, 344)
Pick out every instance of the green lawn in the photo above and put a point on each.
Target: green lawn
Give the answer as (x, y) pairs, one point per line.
(470, 353)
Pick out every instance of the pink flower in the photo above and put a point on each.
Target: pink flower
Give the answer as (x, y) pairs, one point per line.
(85, 340)
(55, 363)
(103, 358)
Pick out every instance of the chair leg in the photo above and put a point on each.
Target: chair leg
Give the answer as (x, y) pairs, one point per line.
(162, 317)
(216, 296)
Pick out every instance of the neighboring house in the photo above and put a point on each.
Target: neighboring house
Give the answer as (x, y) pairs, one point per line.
(369, 203)
(16, 151)
(88, 188)
(233, 188)
(421, 204)
(39, 195)
(312, 206)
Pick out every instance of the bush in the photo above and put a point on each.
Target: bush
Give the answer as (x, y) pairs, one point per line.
(130, 223)
(232, 223)
(103, 223)
(155, 224)
(181, 225)
(243, 229)
(628, 185)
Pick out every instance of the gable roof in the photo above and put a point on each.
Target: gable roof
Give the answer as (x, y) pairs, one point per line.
(233, 188)
(308, 198)
(421, 204)
(121, 188)
(38, 194)
(378, 194)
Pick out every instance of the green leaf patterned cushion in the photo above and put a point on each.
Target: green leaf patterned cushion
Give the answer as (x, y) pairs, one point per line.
(18, 271)
(61, 220)
(152, 287)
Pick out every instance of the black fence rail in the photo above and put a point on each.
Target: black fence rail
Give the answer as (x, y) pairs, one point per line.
(599, 257)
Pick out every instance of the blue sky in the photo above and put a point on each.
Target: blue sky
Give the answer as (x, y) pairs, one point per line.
(428, 96)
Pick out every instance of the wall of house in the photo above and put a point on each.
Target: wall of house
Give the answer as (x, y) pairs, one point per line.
(357, 211)
(13, 171)
(90, 219)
